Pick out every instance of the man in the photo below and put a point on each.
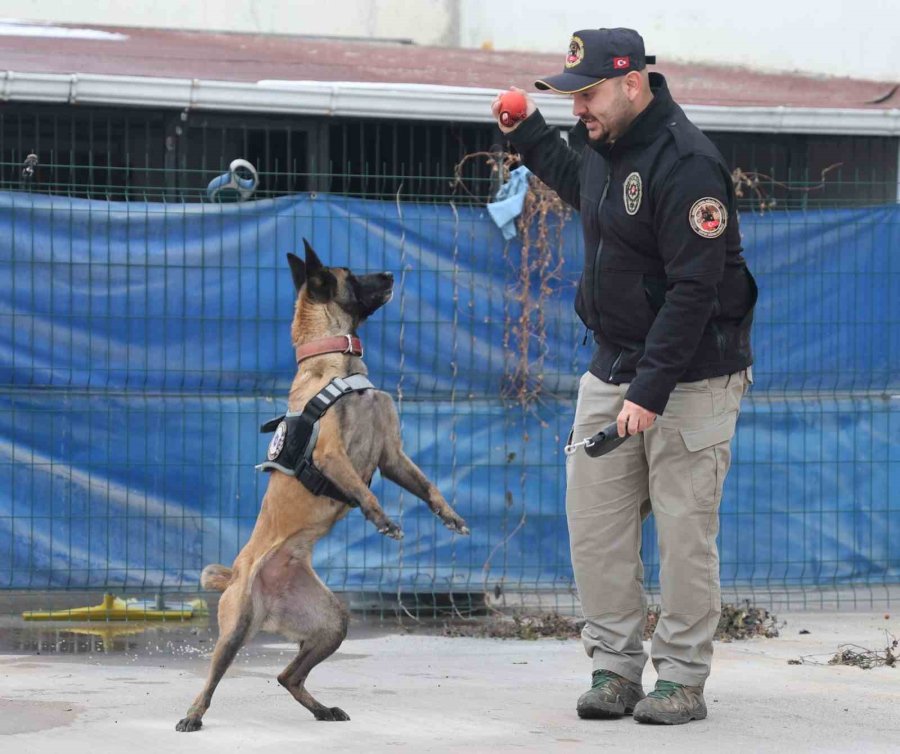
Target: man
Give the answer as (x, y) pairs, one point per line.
(669, 300)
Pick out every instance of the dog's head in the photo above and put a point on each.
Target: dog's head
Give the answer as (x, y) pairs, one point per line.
(350, 298)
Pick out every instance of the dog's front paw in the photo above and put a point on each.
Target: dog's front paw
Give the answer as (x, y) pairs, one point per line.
(390, 529)
(456, 523)
(188, 724)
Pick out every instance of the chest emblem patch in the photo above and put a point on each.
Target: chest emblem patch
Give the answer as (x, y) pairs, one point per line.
(634, 192)
(708, 217)
(277, 441)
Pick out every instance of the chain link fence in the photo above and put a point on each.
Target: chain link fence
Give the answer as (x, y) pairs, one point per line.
(145, 331)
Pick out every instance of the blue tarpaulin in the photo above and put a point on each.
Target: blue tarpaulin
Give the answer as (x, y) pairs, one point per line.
(141, 345)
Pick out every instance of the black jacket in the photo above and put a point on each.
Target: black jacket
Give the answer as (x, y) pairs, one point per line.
(668, 299)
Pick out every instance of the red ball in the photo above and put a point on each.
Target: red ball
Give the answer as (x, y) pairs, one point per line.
(513, 108)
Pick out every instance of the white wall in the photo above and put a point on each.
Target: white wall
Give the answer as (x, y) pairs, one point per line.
(858, 39)
(424, 21)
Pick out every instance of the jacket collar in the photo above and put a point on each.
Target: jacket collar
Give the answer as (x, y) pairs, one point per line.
(646, 126)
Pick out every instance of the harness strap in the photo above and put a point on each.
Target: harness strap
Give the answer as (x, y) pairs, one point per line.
(331, 393)
(304, 469)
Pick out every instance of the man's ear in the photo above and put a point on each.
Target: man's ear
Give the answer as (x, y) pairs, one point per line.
(633, 85)
(298, 271)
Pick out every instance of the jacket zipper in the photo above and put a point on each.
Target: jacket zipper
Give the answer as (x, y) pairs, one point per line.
(612, 369)
(596, 273)
(720, 340)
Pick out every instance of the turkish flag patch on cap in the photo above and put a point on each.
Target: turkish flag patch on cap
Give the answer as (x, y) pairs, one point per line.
(621, 62)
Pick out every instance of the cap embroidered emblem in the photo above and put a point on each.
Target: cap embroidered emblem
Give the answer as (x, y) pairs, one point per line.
(576, 52)
(633, 191)
(708, 217)
(277, 441)
(620, 63)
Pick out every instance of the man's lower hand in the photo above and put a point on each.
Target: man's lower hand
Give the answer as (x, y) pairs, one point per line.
(633, 419)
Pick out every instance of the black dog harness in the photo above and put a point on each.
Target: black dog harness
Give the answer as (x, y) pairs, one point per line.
(291, 448)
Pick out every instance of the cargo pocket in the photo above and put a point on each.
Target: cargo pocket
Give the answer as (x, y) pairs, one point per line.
(709, 456)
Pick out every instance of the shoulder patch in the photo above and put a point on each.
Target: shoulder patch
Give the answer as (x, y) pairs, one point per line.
(633, 191)
(708, 217)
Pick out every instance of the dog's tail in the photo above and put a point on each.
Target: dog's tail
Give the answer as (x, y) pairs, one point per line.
(215, 577)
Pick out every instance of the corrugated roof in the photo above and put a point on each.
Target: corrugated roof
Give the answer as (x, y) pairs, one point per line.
(250, 58)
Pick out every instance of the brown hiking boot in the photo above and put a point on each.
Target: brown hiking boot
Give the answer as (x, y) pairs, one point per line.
(671, 703)
(610, 695)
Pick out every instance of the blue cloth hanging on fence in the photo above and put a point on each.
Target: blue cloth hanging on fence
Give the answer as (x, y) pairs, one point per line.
(508, 203)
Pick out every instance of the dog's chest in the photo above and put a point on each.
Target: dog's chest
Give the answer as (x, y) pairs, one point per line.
(360, 431)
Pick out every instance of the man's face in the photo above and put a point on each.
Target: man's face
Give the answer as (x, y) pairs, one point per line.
(604, 109)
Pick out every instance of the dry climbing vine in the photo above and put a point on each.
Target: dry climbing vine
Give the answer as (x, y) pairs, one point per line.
(537, 268)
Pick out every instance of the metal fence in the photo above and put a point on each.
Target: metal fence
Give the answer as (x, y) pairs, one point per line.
(164, 155)
(810, 514)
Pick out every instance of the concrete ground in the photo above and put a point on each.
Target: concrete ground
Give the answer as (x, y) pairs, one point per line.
(420, 692)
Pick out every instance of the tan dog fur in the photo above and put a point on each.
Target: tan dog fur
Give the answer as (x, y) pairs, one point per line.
(271, 584)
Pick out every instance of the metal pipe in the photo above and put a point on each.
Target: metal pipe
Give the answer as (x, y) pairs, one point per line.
(407, 101)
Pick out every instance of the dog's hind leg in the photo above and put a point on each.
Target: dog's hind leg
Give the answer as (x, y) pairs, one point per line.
(293, 677)
(310, 611)
(235, 623)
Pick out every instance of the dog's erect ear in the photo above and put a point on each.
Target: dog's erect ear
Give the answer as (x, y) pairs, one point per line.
(313, 262)
(298, 270)
(321, 286)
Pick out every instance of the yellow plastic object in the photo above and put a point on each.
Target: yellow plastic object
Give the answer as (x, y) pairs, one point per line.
(107, 633)
(112, 608)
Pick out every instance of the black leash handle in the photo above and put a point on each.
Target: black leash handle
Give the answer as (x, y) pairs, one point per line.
(600, 444)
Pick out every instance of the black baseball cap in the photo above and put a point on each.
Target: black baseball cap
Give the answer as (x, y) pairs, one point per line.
(595, 55)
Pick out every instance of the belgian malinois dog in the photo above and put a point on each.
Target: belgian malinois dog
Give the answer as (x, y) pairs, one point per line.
(272, 585)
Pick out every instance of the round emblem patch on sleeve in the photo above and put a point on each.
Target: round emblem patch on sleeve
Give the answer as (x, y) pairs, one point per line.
(277, 441)
(634, 192)
(708, 217)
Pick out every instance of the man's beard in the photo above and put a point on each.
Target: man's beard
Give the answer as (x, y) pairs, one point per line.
(599, 135)
(618, 123)
(602, 135)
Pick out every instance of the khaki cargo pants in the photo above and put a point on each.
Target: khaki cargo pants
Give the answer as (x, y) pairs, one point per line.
(677, 468)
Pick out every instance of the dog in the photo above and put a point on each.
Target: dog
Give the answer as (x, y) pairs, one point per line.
(271, 585)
